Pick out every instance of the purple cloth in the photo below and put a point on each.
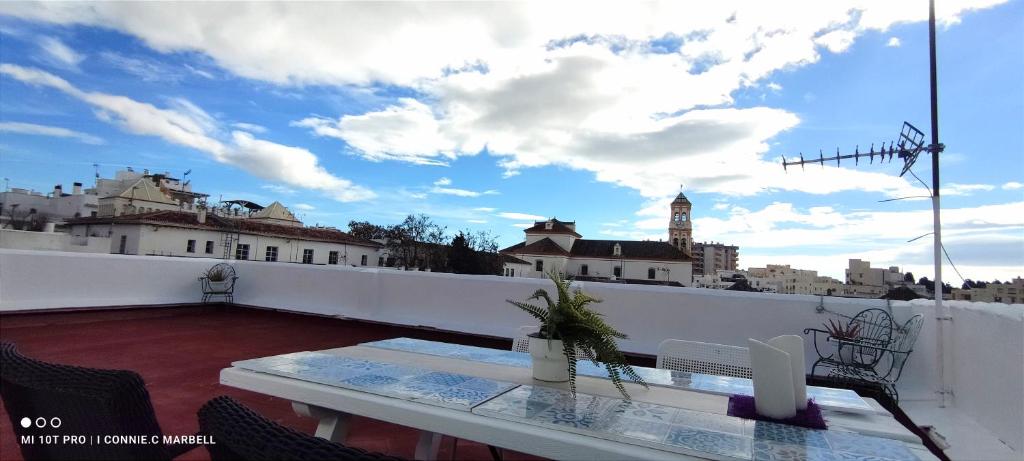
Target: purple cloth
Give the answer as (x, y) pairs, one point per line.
(742, 406)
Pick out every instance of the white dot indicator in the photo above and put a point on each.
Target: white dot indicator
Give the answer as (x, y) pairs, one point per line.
(26, 422)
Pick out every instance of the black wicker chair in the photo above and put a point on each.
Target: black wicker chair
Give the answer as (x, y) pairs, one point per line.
(239, 433)
(88, 402)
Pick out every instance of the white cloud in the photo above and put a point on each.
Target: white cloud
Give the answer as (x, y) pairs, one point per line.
(988, 235)
(250, 127)
(965, 189)
(304, 206)
(407, 132)
(538, 83)
(440, 188)
(1012, 185)
(894, 42)
(720, 206)
(44, 130)
(279, 189)
(477, 221)
(145, 69)
(485, 209)
(774, 86)
(186, 124)
(59, 54)
(524, 225)
(836, 41)
(521, 216)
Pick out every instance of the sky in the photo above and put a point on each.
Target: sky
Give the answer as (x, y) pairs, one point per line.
(488, 116)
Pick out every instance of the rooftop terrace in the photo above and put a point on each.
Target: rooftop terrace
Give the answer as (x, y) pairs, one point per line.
(180, 350)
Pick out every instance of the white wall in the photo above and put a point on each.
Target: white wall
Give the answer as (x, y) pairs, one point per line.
(52, 241)
(987, 348)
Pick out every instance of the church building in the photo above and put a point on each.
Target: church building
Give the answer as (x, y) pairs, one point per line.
(555, 245)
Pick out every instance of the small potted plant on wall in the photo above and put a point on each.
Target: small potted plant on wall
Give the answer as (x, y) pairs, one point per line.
(569, 329)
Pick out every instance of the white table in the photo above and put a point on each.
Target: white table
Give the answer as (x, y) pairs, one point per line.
(332, 405)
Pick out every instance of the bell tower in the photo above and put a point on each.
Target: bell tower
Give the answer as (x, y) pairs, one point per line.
(680, 229)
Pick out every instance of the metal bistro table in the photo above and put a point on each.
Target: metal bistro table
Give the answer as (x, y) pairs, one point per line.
(489, 396)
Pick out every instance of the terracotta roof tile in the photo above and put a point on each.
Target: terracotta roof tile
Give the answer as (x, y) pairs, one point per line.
(558, 227)
(662, 251)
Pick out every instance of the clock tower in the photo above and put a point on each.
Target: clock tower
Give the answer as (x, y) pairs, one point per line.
(680, 229)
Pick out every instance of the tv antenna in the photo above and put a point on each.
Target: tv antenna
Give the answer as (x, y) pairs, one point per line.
(908, 147)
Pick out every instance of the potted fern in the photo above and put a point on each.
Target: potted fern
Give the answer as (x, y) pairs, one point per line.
(569, 329)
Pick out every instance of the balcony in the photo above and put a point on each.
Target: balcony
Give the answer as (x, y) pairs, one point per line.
(139, 313)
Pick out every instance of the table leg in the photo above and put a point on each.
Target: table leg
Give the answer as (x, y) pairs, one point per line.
(333, 425)
(426, 448)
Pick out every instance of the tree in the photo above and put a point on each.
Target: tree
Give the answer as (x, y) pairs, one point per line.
(462, 259)
(901, 294)
(366, 230)
(909, 277)
(418, 242)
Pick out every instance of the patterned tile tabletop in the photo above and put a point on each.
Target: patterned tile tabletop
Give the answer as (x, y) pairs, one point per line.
(687, 432)
(828, 398)
(448, 390)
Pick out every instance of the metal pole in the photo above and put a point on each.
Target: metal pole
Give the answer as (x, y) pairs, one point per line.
(936, 148)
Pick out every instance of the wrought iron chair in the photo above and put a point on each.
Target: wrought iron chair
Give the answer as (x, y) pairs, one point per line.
(88, 402)
(239, 433)
(219, 280)
(876, 356)
(705, 358)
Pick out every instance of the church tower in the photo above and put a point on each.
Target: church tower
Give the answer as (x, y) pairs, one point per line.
(680, 230)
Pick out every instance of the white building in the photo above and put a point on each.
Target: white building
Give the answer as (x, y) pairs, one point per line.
(725, 279)
(263, 238)
(19, 207)
(797, 281)
(555, 245)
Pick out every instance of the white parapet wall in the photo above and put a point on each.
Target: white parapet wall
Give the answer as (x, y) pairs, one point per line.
(988, 354)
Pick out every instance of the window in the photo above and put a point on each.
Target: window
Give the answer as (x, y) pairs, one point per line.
(332, 257)
(511, 272)
(617, 270)
(617, 250)
(271, 254)
(209, 247)
(650, 273)
(380, 261)
(584, 269)
(362, 260)
(242, 251)
(675, 242)
(190, 247)
(540, 265)
(123, 245)
(307, 256)
(93, 214)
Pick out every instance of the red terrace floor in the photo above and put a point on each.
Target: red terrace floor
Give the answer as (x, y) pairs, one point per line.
(180, 351)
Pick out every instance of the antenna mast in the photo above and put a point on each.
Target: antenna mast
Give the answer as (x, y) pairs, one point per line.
(910, 144)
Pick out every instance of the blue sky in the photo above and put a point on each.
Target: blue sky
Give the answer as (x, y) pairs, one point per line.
(487, 116)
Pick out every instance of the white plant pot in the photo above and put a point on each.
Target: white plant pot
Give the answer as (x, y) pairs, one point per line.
(219, 287)
(549, 360)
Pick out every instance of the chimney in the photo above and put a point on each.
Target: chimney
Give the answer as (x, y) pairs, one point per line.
(77, 189)
(58, 190)
(201, 215)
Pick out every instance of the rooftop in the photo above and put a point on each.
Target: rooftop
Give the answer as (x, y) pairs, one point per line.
(219, 223)
(179, 350)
